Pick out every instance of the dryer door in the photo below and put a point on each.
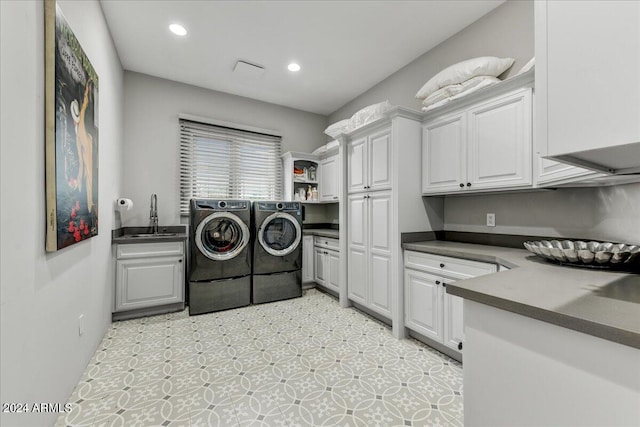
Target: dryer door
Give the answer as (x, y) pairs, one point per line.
(280, 234)
(221, 236)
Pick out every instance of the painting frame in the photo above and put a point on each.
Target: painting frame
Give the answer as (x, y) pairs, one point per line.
(71, 135)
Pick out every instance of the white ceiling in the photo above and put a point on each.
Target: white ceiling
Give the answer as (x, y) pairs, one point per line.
(343, 47)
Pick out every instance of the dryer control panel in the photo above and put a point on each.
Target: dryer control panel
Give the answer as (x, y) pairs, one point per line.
(227, 205)
(278, 206)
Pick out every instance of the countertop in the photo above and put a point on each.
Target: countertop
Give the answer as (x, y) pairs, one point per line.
(601, 303)
(322, 232)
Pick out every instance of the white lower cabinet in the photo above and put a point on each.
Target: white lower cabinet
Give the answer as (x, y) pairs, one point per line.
(327, 263)
(429, 310)
(370, 254)
(149, 275)
(307, 259)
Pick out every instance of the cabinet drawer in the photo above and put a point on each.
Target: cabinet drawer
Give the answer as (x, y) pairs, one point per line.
(145, 250)
(326, 242)
(455, 267)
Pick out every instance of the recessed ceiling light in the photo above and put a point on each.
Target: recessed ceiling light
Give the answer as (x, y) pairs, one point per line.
(178, 29)
(293, 67)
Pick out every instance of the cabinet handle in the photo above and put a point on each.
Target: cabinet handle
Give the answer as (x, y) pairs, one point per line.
(460, 346)
(437, 282)
(468, 184)
(335, 197)
(179, 260)
(444, 285)
(441, 265)
(461, 185)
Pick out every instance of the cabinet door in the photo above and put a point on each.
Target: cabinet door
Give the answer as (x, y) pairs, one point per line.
(357, 276)
(582, 110)
(444, 163)
(500, 142)
(380, 220)
(380, 250)
(379, 163)
(357, 221)
(307, 259)
(148, 282)
(320, 274)
(423, 303)
(357, 165)
(380, 284)
(333, 276)
(453, 320)
(329, 179)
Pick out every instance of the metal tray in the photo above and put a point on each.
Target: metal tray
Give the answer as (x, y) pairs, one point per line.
(587, 254)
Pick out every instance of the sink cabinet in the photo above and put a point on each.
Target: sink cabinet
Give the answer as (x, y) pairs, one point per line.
(149, 275)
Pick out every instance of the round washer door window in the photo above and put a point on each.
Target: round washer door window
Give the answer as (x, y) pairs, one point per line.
(279, 234)
(221, 236)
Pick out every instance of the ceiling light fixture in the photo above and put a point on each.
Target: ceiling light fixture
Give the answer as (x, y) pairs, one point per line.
(293, 67)
(178, 29)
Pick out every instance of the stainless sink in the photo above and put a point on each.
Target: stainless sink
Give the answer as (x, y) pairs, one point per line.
(151, 235)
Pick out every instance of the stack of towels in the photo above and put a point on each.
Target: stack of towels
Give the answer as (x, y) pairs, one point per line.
(462, 79)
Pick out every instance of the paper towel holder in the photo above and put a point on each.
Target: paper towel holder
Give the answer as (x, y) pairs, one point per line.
(124, 203)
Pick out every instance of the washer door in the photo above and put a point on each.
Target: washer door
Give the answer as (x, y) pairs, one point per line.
(221, 236)
(279, 234)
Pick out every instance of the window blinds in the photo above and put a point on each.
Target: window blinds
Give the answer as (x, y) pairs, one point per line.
(225, 163)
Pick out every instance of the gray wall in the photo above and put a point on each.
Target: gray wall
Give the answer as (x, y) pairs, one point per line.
(507, 31)
(604, 213)
(150, 161)
(43, 294)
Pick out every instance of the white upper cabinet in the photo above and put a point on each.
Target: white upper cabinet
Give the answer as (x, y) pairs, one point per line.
(444, 154)
(329, 179)
(588, 82)
(379, 163)
(357, 165)
(500, 143)
(483, 146)
(369, 162)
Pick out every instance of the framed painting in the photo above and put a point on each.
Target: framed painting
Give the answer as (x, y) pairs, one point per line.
(71, 135)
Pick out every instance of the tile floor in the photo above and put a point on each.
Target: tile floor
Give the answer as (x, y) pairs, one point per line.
(300, 362)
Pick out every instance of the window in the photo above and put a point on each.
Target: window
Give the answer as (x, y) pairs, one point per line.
(225, 163)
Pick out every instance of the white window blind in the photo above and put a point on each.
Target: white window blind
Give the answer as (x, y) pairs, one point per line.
(224, 163)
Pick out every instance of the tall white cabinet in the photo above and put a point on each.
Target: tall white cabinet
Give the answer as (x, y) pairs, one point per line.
(384, 200)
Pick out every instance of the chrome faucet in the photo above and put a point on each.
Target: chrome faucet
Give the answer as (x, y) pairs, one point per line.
(153, 213)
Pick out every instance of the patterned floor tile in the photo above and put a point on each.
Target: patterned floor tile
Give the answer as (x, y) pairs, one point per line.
(300, 362)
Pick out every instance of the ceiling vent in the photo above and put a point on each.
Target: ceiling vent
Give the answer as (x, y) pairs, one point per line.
(247, 69)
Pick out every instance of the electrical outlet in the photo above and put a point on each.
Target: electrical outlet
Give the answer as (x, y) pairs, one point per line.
(491, 220)
(81, 325)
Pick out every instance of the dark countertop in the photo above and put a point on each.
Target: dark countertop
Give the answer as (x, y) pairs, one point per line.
(170, 233)
(600, 303)
(322, 232)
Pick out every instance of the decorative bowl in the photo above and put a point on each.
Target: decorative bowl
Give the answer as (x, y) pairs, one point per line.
(587, 254)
